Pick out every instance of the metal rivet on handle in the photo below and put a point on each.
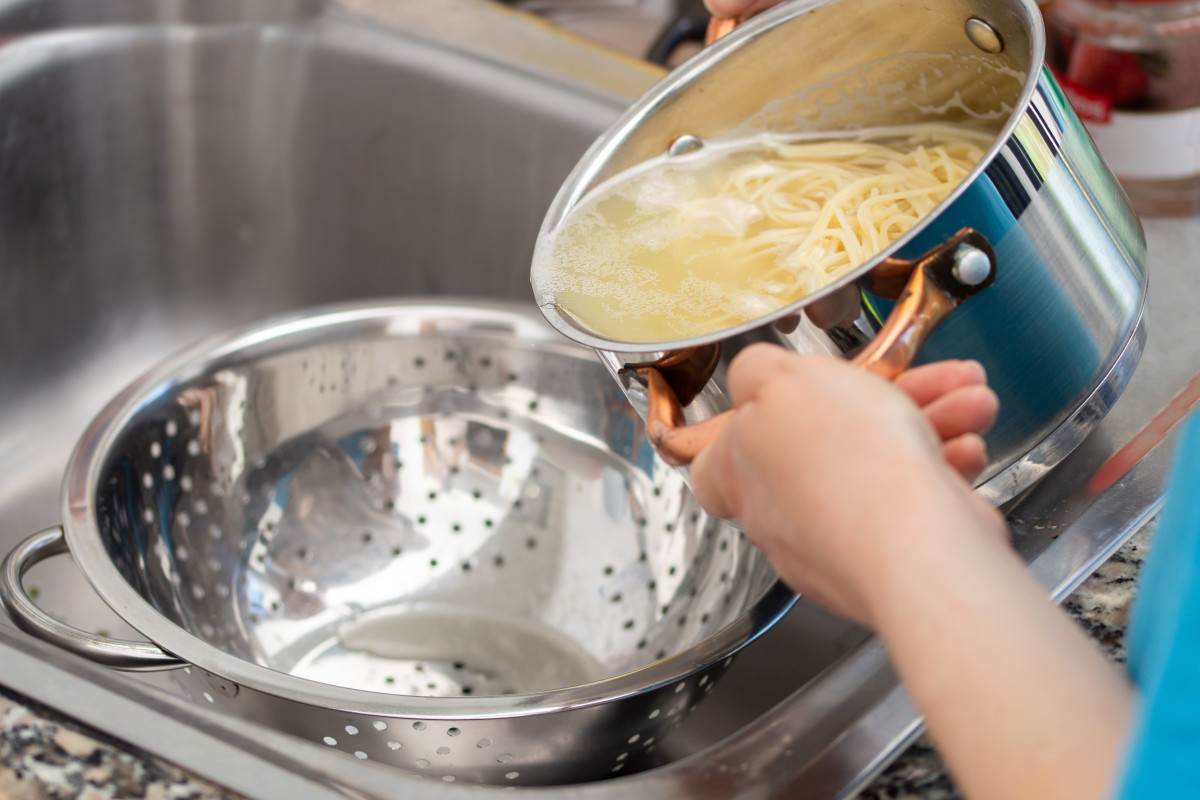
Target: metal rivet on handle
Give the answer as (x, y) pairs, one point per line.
(685, 145)
(983, 35)
(971, 266)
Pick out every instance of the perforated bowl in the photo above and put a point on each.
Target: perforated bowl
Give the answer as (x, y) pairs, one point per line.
(427, 534)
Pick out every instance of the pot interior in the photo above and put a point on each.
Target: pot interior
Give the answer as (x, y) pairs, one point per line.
(841, 65)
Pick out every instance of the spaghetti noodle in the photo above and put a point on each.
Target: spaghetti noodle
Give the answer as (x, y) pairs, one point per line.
(680, 247)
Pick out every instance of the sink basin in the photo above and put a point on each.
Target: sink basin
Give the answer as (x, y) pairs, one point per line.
(171, 170)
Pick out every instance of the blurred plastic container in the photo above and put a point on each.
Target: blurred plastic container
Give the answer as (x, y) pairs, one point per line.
(1131, 70)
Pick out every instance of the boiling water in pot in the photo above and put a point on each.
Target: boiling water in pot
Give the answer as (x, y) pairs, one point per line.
(686, 245)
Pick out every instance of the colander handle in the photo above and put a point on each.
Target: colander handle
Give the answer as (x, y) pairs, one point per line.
(937, 283)
(112, 653)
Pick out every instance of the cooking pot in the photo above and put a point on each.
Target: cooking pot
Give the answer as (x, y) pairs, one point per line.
(1059, 329)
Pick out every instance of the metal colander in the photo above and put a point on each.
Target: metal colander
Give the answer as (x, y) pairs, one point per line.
(425, 534)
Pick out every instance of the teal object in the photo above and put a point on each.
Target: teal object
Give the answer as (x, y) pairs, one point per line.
(1034, 333)
(1163, 759)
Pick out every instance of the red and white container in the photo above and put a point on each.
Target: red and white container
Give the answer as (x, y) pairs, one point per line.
(1131, 70)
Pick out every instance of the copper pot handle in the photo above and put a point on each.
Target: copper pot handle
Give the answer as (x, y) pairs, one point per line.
(939, 281)
(719, 26)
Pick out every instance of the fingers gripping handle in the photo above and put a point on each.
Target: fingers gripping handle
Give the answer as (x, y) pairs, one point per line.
(676, 443)
(939, 281)
(113, 653)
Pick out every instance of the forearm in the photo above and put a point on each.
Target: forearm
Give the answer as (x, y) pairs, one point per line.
(857, 506)
(1018, 700)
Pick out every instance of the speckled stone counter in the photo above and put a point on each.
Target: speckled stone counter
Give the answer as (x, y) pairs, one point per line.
(46, 757)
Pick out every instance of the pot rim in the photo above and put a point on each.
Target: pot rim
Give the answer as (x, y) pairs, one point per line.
(582, 179)
(84, 540)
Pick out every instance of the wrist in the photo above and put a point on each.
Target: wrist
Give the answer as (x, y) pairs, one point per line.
(953, 548)
(973, 637)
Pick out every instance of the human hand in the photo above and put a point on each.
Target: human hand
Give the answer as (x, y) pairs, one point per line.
(957, 403)
(854, 488)
(841, 477)
(735, 8)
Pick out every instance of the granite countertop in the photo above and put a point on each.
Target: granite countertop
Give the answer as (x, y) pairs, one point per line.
(44, 756)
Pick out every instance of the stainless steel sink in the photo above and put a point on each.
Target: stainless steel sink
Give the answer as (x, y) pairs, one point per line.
(168, 170)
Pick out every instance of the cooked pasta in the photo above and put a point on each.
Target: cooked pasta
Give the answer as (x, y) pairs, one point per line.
(680, 247)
